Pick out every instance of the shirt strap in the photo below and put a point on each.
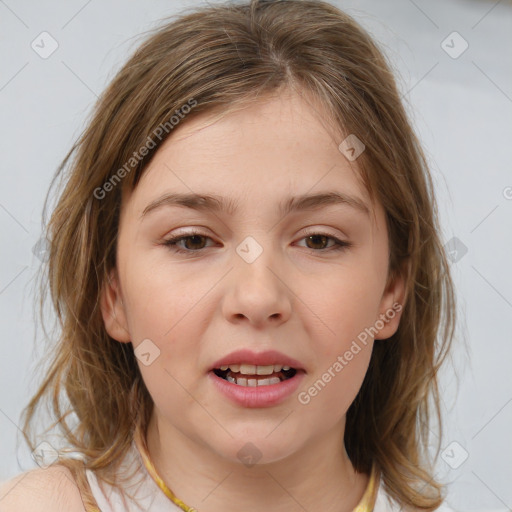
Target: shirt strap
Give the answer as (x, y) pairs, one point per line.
(367, 503)
(141, 444)
(80, 477)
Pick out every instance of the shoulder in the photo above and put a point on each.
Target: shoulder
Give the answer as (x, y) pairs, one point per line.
(50, 490)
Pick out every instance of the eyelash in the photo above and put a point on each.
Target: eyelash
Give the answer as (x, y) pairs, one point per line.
(171, 243)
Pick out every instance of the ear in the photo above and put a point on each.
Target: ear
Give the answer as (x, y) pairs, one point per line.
(392, 303)
(112, 309)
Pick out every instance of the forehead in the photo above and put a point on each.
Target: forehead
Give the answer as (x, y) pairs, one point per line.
(281, 146)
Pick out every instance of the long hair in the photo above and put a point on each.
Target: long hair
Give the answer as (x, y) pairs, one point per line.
(217, 59)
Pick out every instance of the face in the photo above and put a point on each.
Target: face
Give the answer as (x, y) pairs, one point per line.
(307, 283)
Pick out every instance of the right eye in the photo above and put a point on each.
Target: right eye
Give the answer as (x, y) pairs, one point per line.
(194, 237)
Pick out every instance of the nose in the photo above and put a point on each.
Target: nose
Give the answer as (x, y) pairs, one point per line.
(257, 292)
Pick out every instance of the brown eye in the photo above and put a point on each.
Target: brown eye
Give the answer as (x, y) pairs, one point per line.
(194, 242)
(318, 240)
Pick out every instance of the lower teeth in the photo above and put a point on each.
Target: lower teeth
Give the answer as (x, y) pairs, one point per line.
(253, 382)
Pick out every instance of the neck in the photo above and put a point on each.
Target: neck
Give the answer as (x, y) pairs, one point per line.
(320, 476)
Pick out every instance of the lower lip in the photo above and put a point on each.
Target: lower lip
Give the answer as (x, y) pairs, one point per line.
(258, 396)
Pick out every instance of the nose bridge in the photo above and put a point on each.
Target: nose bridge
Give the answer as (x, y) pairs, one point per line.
(257, 291)
(254, 263)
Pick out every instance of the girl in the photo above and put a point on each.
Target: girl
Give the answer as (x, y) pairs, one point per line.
(246, 266)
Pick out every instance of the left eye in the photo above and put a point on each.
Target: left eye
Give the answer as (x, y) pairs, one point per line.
(319, 238)
(195, 241)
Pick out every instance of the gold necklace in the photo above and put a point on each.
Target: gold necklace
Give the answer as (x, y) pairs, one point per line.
(366, 504)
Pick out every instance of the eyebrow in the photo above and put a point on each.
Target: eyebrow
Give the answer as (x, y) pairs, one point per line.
(215, 203)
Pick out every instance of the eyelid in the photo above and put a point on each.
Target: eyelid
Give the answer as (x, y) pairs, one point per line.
(339, 243)
(311, 230)
(307, 231)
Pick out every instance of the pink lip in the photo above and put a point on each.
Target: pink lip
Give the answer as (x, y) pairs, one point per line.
(265, 358)
(259, 396)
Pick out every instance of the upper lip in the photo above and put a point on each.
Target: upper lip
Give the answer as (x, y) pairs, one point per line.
(266, 358)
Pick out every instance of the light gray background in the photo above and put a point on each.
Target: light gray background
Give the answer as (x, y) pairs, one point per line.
(461, 107)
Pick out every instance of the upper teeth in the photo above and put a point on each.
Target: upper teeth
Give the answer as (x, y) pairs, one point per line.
(251, 369)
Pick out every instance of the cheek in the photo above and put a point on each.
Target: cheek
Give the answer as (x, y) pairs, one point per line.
(162, 298)
(168, 309)
(162, 379)
(345, 307)
(174, 371)
(334, 385)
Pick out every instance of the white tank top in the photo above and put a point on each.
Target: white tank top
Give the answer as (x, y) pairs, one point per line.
(149, 497)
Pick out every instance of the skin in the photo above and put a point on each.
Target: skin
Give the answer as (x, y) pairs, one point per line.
(300, 298)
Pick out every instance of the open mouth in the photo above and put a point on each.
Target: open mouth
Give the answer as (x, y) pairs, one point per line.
(254, 376)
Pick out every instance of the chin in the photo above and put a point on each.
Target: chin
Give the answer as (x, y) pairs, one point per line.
(248, 450)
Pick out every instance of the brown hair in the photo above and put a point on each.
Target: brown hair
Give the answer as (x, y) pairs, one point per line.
(220, 58)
